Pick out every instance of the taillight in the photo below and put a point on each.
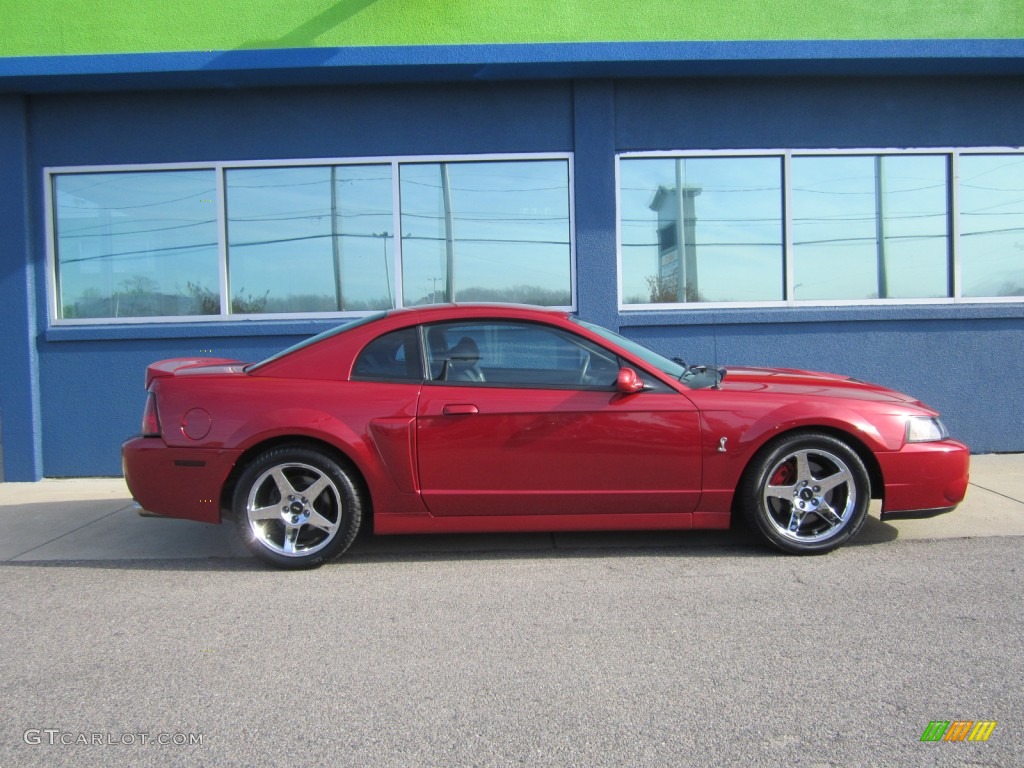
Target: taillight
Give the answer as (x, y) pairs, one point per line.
(150, 419)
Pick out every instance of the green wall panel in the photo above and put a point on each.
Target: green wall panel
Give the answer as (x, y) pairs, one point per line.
(57, 27)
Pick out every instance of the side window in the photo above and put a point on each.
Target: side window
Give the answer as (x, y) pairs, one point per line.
(517, 354)
(393, 356)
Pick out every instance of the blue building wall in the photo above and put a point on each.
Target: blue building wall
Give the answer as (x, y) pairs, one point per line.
(70, 395)
(810, 113)
(19, 397)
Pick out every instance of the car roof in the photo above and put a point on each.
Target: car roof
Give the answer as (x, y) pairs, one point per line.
(428, 312)
(309, 355)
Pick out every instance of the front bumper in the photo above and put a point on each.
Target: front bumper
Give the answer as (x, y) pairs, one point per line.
(924, 479)
(176, 482)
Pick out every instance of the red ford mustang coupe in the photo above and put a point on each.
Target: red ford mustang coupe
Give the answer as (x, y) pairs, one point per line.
(472, 418)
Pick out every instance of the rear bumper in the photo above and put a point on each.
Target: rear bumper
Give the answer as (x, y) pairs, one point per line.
(924, 479)
(176, 482)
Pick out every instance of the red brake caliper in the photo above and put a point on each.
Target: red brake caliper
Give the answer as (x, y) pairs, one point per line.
(782, 475)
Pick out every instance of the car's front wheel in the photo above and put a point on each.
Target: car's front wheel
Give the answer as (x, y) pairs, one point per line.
(296, 507)
(806, 493)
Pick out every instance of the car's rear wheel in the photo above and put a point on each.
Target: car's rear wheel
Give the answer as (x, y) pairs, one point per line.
(806, 493)
(296, 507)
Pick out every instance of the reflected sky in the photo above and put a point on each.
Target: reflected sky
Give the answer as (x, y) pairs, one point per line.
(870, 227)
(696, 229)
(506, 225)
(863, 227)
(992, 225)
(311, 239)
(737, 231)
(128, 244)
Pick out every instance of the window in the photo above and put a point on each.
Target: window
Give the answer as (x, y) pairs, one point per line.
(870, 227)
(308, 238)
(787, 228)
(518, 355)
(701, 229)
(992, 225)
(489, 231)
(393, 356)
(136, 244)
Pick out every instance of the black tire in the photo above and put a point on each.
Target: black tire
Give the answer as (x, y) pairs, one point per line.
(296, 507)
(806, 493)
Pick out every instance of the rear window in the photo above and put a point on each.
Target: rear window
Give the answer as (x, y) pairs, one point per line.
(319, 337)
(394, 356)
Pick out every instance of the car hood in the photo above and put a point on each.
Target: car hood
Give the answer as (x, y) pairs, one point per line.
(790, 381)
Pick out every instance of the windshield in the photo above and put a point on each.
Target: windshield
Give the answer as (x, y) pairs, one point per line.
(693, 376)
(319, 337)
(663, 364)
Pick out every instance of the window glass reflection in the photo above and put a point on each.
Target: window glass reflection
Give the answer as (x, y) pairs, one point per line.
(701, 229)
(869, 227)
(516, 355)
(992, 225)
(311, 239)
(136, 244)
(486, 231)
(394, 356)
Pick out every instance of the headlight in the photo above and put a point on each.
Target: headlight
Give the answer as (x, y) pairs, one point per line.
(925, 429)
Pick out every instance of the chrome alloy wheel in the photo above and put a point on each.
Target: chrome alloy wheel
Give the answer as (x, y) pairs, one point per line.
(294, 509)
(810, 496)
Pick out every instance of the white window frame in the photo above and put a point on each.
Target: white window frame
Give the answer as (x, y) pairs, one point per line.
(220, 168)
(953, 155)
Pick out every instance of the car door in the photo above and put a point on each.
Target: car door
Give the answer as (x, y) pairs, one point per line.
(522, 418)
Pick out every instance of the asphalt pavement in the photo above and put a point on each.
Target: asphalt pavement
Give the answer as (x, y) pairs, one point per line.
(696, 656)
(95, 519)
(151, 642)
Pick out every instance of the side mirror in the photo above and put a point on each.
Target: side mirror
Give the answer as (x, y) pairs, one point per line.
(628, 383)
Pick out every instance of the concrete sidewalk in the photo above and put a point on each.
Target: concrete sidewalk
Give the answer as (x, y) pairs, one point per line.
(94, 519)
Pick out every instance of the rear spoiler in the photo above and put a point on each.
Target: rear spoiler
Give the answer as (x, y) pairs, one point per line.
(171, 366)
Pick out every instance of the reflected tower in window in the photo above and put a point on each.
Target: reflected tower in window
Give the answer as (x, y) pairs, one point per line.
(677, 244)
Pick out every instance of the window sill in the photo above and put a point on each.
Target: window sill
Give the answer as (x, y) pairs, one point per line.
(819, 314)
(191, 330)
